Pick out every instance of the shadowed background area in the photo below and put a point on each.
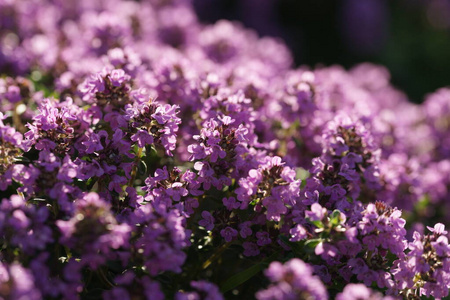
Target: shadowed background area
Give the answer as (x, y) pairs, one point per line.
(410, 37)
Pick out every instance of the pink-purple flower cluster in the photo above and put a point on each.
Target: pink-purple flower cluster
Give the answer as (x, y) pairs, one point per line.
(293, 280)
(144, 155)
(428, 259)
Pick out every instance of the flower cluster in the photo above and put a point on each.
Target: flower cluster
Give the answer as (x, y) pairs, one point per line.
(203, 290)
(11, 150)
(347, 167)
(144, 155)
(354, 291)
(354, 248)
(428, 259)
(23, 226)
(272, 187)
(293, 280)
(17, 282)
(93, 232)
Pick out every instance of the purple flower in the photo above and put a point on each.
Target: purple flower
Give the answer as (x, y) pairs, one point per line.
(348, 173)
(327, 251)
(425, 269)
(357, 265)
(323, 273)
(93, 142)
(275, 208)
(203, 290)
(245, 229)
(18, 282)
(103, 184)
(358, 291)
(162, 238)
(68, 170)
(335, 191)
(230, 203)
(339, 146)
(142, 138)
(118, 77)
(316, 213)
(93, 231)
(208, 220)
(228, 234)
(176, 191)
(250, 249)
(298, 233)
(311, 197)
(13, 94)
(351, 159)
(438, 229)
(24, 226)
(263, 238)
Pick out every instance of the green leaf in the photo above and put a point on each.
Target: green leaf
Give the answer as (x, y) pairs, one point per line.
(285, 240)
(336, 213)
(240, 278)
(302, 174)
(422, 204)
(95, 293)
(90, 183)
(317, 223)
(312, 243)
(298, 142)
(142, 168)
(295, 246)
(335, 217)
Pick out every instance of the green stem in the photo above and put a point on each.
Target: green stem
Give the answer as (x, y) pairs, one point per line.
(104, 279)
(135, 167)
(68, 253)
(215, 255)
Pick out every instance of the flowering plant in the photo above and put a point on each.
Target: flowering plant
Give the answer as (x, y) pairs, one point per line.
(144, 155)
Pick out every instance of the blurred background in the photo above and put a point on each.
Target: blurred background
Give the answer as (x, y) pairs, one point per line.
(410, 37)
